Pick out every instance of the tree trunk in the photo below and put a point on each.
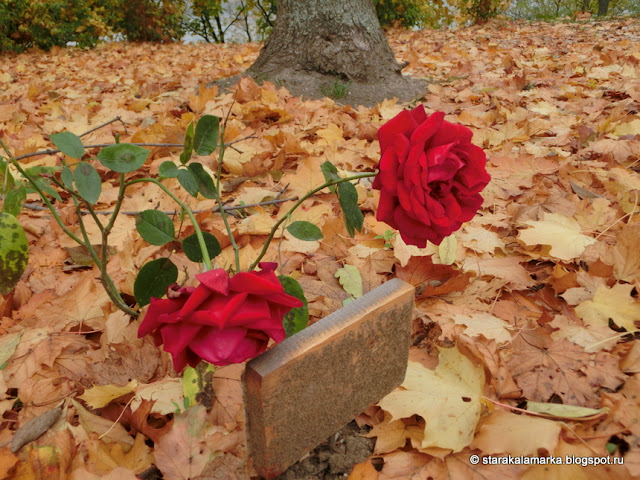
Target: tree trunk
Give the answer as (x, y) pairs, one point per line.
(603, 7)
(319, 45)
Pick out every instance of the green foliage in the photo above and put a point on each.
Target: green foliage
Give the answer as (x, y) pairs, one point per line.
(337, 89)
(478, 11)
(49, 23)
(153, 279)
(554, 9)
(297, 319)
(149, 20)
(408, 13)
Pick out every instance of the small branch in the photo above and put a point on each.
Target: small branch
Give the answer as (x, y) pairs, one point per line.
(102, 125)
(275, 201)
(51, 151)
(274, 229)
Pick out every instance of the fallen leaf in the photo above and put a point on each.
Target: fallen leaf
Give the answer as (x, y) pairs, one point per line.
(448, 398)
(615, 303)
(505, 432)
(561, 233)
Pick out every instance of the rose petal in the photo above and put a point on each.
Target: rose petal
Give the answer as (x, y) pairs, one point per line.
(159, 308)
(216, 280)
(199, 295)
(217, 346)
(451, 132)
(402, 124)
(255, 284)
(427, 130)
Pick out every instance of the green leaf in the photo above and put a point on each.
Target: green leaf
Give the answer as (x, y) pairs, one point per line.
(330, 174)
(196, 381)
(123, 157)
(6, 179)
(39, 175)
(153, 279)
(191, 247)
(206, 137)
(305, 231)
(168, 169)
(88, 182)
(155, 227)
(14, 200)
(348, 197)
(185, 156)
(297, 318)
(68, 143)
(350, 279)
(14, 252)
(67, 178)
(189, 182)
(205, 182)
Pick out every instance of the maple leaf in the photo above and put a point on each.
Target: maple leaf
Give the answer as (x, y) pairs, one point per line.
(394, 434)
(449, 399)
(104, 458)
(593, 339)
(561, 233)
(505, 432)
(485, 324)
(626, 254)
(184, 452)
(615, 303)
(542, 368)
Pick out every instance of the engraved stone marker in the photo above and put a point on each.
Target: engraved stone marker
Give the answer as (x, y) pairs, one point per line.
(303, 390)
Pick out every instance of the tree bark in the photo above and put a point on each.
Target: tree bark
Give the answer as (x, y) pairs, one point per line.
(603, 7)
(316, 43)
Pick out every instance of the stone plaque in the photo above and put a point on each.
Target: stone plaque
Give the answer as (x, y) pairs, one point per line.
(303, 390)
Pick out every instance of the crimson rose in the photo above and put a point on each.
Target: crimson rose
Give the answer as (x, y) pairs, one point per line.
(430, 176)
(223, 320)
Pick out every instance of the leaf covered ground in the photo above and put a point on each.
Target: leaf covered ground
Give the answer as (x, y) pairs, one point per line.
(539, 293)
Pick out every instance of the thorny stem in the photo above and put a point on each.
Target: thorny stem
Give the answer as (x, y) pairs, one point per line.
(107, 282)
(203, 247)
(296, 205)
(223, 214)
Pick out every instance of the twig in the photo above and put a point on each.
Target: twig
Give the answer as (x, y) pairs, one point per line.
(103, 125)
(51, 151)
(275, 201)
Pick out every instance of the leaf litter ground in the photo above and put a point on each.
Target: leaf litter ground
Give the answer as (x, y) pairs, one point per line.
(540, 297)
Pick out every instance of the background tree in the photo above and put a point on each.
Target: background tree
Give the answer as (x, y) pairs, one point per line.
(318, 44)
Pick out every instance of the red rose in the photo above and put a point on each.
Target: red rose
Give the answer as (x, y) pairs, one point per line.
(430, 176)
(223, 320)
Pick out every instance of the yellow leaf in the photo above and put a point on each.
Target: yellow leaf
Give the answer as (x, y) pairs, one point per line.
(166, 394)
(561, 233)
(259, 223)
(447, 250)
(614, 303)
(100, 396)
(505, 432)
(107, 429)
(449, 399)
(103, 458)
(485, 324)
(628, 128)
(333, 133)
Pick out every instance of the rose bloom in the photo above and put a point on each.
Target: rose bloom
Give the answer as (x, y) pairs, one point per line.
(430, 176)
(223, 320)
